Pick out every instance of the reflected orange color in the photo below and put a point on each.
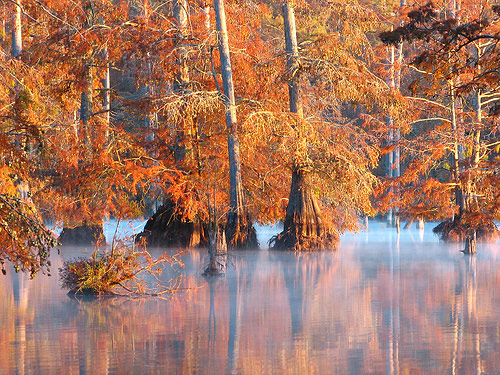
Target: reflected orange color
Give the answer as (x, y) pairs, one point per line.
(321, 313)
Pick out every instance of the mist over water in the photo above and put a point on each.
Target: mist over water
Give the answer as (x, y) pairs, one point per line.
(383, 303)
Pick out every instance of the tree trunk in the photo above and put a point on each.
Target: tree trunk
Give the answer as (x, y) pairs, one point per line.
(17, 46)
(393, 158)
(182, 76)
(456, 154)
(390, 136)
(303, 226)
(217, 251)
(86, 104)
(239, 230)
(85, 233)
(470, 244)
(82, 235)
(292, 50)
(167, 227)
(17, 36)
(107, 98)
(409, 223)
(420, 223)
(466, 226)
(181, 19)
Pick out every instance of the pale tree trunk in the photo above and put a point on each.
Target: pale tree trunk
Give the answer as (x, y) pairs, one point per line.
(471, 200)
(106, 84)
(107, 98)
(182, 76)
(454, 8)
(181, 18)
(303, 225)
(420, 223)
(292, 50)
(22, 186)
(456, 152)
(457, 146)
(17, 36)
(239, 230)
(206, 17)
(390, 136)
(393, 157)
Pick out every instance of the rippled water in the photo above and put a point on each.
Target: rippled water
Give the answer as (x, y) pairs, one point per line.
(381, 304)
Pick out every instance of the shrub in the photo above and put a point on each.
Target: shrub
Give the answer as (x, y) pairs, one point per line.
(121, 270)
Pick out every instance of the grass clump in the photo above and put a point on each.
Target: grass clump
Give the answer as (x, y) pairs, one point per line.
(122, 270)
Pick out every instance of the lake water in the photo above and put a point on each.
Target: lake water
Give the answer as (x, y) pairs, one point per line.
(382, 304)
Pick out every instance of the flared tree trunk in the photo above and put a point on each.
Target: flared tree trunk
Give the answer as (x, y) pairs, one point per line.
(167, 227)
(239, 231)
(303, 226)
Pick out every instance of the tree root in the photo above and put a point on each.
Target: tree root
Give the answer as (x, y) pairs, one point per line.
(459, 229)
(82, 235)
(167, 228)
(288, 240)
(240, 233)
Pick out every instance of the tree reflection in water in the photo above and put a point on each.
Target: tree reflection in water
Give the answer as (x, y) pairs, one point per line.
(392, 305)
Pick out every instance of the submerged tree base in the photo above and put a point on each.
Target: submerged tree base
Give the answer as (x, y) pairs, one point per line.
(461, 229)
(82, 235)
(304, 226)
(470, 245)
(240, 235)
(217, 265)
(167, 228)
(288, 240)
(218, 253)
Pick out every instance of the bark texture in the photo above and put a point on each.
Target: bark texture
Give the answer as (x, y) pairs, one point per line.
(239, 231)
(17, 36)
(303, 227)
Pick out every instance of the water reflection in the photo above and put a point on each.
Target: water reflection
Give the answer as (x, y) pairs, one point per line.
(395, 304)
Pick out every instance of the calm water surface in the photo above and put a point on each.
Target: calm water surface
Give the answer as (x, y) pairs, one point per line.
(381, 304)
